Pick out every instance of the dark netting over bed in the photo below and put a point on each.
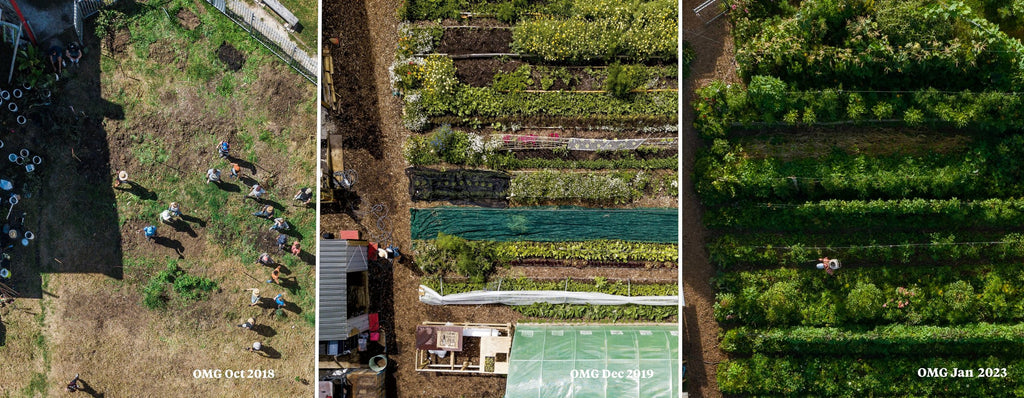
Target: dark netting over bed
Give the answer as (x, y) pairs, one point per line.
(551, 224)
(482, 187)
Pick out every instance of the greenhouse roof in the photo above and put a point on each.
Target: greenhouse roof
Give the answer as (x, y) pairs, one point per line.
(613, 360)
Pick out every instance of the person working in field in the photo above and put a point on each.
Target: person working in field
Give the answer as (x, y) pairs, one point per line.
(275, 276)
(213, 175)
(73, 53)
(122, 178)
(305, 195)
(56, 60)
(235, 169)
(73, 385)
(280, 225)
(279, 300)
(265, 212)
(174, 209)
(223, 148)
(248, 324)
(296, 248)
(149, 231)
(257, 192)
(265, 259)
(254, 298)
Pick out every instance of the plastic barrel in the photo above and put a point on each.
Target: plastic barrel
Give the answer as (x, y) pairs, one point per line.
(16, 93)
(37, 160)
(12, 157)
(24, 152)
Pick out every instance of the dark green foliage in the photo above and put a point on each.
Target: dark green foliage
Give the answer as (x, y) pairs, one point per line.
(623, 79)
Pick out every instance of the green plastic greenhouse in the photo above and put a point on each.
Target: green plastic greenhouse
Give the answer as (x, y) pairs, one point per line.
(594, 361)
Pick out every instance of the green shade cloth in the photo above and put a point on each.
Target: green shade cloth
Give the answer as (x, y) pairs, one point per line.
(547, 224)
(594, 361)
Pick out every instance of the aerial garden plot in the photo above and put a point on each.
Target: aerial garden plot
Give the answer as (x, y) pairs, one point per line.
(160, 84)
(541, 158)
(884, 135)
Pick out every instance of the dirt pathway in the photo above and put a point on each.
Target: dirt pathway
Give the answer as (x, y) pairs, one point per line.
(714, 60)
(370, 120)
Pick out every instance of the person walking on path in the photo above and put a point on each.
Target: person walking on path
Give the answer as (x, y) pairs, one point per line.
(257, 192)
(235, 168)
(280, 225)
(296, 248)
(279, 300)
(73, 385)
(254, 298)
(213, 175)
(275, 276)
(265, 259)
(256, 347)
(248, 324)
(149, 231)
(265, 212)
(122, 178)
(224, 149)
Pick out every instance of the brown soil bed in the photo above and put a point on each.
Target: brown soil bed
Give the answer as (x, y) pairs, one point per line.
(230, 56)
(804, 143)
(187, 19)
(476, 40)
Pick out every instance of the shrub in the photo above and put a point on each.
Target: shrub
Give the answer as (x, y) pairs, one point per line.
(780, 303)
(515, 81)
(960, 302)
(864, 302)
(623, 79)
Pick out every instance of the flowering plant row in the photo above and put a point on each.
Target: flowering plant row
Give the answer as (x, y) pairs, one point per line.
(952, 295)
(612, 313)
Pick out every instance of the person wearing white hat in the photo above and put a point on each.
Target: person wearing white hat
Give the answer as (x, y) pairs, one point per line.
(256, 347)
(255, 297)
(122, 178)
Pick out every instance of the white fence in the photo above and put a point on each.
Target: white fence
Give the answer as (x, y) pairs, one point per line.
(271, 37)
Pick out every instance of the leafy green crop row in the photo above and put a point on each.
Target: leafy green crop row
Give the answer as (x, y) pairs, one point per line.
(595, 250)
(878, 295)
(613, 313)
(550, 186)
(888, 340)
(637, 30)
(598, 285)
(726, 172)
(848, 215)
(720, 108)
(882, 44)
(888, 377)
(763, 250)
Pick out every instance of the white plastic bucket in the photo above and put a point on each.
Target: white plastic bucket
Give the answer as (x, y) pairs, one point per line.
(37, 160)
(16, 93)
(29, 235)
(24, 152)
(12, 107)
(21, 120)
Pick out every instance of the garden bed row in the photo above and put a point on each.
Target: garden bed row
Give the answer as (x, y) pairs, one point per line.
(726, 172)
(870, 296)
(863, 248)
(851, 376)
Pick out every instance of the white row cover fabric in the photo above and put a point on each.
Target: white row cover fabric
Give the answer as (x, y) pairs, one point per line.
(527, 297)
